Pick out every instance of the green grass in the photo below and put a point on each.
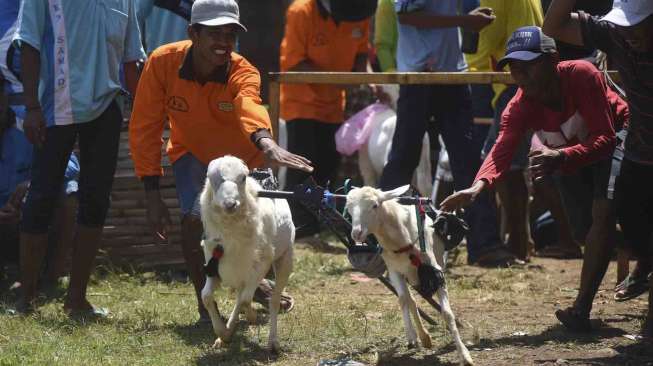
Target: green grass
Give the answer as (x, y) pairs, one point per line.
(152, 321)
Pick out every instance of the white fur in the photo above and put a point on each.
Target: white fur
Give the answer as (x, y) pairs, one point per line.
(395, 226)
(373, 155)
(256, 234)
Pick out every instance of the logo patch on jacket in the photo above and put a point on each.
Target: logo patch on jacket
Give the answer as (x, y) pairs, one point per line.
(178, 104)
(356, 33)
(226, 106)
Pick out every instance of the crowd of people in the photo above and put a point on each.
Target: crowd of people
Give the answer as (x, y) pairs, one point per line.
(565, 133)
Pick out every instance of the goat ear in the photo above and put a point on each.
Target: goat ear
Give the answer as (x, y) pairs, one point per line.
(397, 192)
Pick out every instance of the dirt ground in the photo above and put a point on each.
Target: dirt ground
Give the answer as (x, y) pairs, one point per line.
(508, 318)
(506, 315)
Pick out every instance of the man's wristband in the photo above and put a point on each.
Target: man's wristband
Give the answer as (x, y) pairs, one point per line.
(151, 183)
(258, 135)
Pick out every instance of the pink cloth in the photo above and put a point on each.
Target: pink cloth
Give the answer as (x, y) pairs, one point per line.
(355, 131)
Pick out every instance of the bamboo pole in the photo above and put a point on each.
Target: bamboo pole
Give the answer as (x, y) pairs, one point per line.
(401, 78)
(341, 78)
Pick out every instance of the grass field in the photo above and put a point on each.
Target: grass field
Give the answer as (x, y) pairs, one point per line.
(507, 316)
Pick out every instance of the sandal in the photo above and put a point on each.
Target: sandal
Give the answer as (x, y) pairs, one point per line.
(631, 287)
(264, 292)
(573, 320)
(86, 311)
(560, 252)
(91, 313)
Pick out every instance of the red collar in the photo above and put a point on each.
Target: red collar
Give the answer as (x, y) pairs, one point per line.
(218, 252)
(405, 249)
(414, 259)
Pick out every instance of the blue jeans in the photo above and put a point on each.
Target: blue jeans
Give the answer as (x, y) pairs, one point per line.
(451, 106)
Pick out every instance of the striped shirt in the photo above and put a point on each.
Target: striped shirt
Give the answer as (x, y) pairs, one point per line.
(82, 44)
(636, 72)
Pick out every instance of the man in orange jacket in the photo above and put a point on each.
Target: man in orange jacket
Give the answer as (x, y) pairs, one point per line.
(210, 96)
(320, 35)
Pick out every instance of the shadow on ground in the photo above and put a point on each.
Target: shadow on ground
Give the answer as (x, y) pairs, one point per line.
(557, 334)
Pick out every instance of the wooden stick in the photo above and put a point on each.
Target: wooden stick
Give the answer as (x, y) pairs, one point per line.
(273, 98)
(395, 78)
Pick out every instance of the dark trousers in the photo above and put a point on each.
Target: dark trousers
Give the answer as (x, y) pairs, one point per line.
(451, 107)
(635, 206)
(98, 145)
(315, 141)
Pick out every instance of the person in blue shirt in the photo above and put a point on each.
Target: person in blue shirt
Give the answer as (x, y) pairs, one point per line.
(429, 40)
(159, 26)
(71, 55)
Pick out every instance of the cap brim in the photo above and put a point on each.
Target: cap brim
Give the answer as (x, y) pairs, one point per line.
(619, 17)
(221, 21)
(518, 55)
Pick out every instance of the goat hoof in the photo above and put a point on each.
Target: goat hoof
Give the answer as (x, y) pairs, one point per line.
(426, 341)
(467, 361)
(412, 345)
(220, 343)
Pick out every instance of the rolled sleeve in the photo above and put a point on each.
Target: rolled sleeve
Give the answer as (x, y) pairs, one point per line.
(133, 46)
(31, 23)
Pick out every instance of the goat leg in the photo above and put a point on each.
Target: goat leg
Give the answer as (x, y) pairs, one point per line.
(423, 335)
(449, 318)
(282, 269)
(210, 286)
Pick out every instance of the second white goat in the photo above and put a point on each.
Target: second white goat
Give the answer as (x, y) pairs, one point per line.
(395, 226)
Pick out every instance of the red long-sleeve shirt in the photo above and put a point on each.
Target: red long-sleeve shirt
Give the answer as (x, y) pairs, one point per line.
(584, 130)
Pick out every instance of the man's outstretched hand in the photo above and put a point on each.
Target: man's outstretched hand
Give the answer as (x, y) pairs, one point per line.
(463, 198)
(275, 155)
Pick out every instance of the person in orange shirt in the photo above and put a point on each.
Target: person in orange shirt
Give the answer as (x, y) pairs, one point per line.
(320, 35)
(210, 96)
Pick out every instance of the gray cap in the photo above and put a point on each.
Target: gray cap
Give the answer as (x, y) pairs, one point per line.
(215, 12)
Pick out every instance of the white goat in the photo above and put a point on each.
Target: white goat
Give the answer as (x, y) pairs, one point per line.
(255, 234)
(373, 155)
(395, 226)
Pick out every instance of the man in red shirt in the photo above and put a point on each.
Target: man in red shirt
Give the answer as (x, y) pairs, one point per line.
(573, 112)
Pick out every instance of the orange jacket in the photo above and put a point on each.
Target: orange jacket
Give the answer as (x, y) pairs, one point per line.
(209, 120)
(316, 38)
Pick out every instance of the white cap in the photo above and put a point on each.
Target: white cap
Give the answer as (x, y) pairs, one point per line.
(215, 12)
(627, 13)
